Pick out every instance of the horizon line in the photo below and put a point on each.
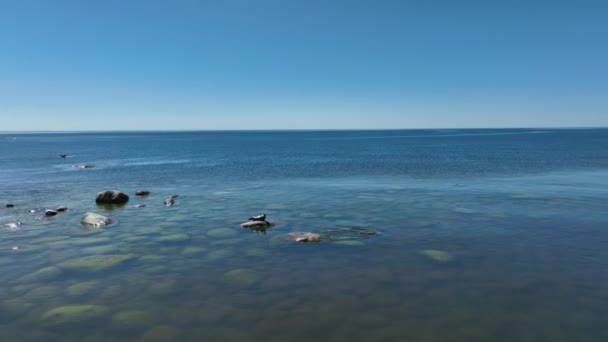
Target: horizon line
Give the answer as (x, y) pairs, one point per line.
(289, 130)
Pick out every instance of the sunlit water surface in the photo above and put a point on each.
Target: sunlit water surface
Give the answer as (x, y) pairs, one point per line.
(481, 235)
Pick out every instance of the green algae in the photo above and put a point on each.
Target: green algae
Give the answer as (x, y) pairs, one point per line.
(82, 288)
(43, 274)
(94, 263)
(221, 233)
(133, 319)
(73, 314)
(437, 255)
(161, 333)
(174, 238)
(219, 254)
(242, 277)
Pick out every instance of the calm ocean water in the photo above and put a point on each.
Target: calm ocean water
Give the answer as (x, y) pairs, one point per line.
(481, 235)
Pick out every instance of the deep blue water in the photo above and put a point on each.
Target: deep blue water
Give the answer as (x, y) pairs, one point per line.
(481, 235)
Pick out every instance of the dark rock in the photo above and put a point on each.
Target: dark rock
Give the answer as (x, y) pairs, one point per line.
(49, 212)
(111, 197)
(142, 193)
(257, 224)
(10, 205)
(62, 208)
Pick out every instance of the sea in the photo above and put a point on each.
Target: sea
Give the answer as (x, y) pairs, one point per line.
(426, 235)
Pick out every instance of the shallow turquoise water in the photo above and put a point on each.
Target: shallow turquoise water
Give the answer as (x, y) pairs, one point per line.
(482, 235)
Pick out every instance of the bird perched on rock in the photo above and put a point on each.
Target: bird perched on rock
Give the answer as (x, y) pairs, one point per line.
(258, 218)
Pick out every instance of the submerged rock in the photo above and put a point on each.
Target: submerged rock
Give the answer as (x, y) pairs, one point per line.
(437, 255)
(174, 238)
(95, 220)
(50, 212)
(221, 233)
(13, 226)
(242, 277)
(160, 333)
(142, 193)
(10, 205)
(81, 289)
(73, 314)
(111, 197)
(303, 237)
(94, 263)
(133, 319)
(43, 274)
(61, 208)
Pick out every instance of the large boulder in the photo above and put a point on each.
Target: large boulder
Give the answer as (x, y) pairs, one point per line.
(95, 220)
(111, 197)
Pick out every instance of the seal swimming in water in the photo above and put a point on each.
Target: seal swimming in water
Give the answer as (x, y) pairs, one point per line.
(63, 155)
(169, 202)
(258, 218)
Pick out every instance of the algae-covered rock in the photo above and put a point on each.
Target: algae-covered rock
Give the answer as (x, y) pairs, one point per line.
(103, 249)
(221, 233)
(219, 254)
(94, 263)
(82, 288)
(437, 255)
(163, 287)
(242, 277)
(10, 309)
(174, 238)
(73, 314)
(256, 252)
(133, 319)
(161, 333)
(43, 274)
(188, 251)
(42, 292)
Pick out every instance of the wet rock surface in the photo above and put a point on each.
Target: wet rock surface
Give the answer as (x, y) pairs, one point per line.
(111, 197)
(95, 220)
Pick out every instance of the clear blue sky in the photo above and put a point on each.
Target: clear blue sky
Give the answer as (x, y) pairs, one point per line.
(120, 64)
